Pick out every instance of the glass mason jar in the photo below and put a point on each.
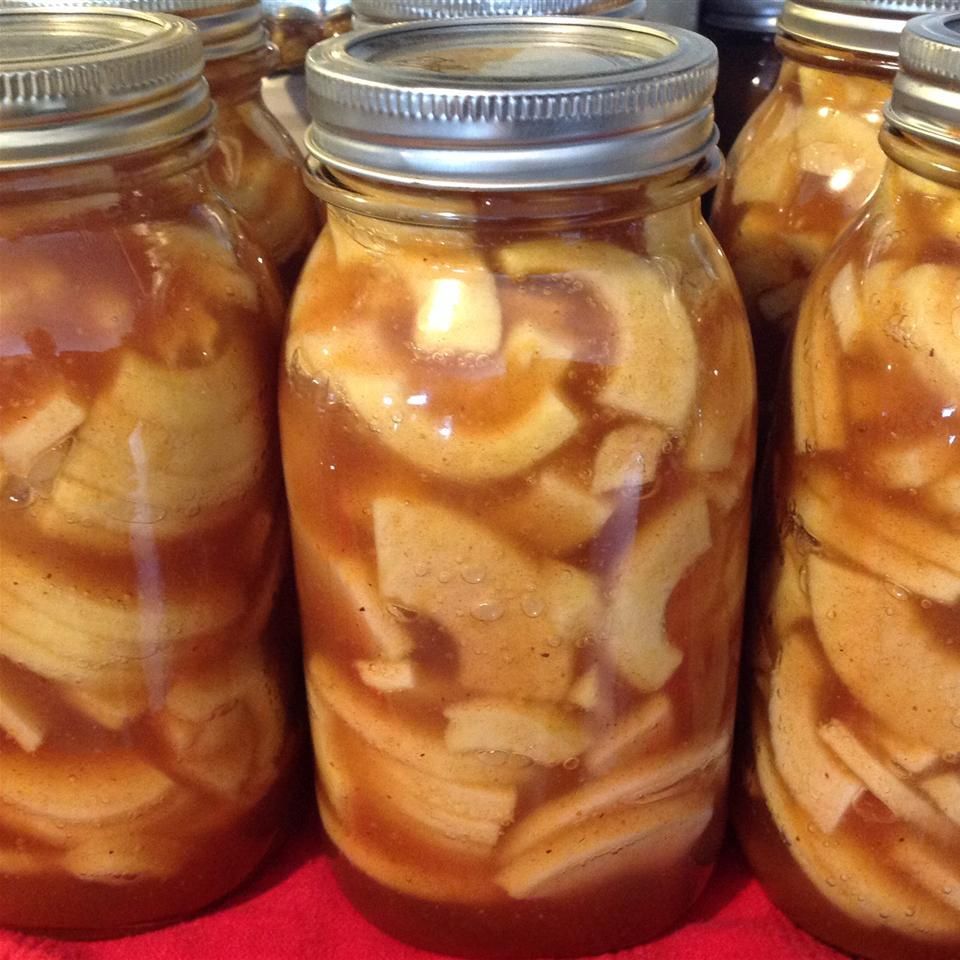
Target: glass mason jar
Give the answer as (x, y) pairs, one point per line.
(744, 32)
(851, 808)
(295, 26)
(370, 13)
(144, 739)
(807, 160)
(518, 426)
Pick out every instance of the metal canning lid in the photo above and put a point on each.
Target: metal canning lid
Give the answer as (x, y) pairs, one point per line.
(404, 11)
(512, 103)
(228, 28)
(93, 84)
(926, 91)
(862, 26)
(750, 16)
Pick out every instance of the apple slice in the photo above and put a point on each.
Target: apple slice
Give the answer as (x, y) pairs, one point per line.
(121, 856)
(646, 781)
(463, 881)
(886, 655)
(544, 733)
(642, 730)
(944, 790)
(553, 513)
(514, 628)
(20, 718)
(889, 542)
(399, 735)
(655, 373)
(822, 785)
(162, 451)
(911, 464)
(897, 795)
(628, 456)
(585, 692)
(767, 171)
(458, 311)
(849, 874)
(618, 843)
(819, 420)
(436, 444)
(387, 676)
(64, 632)
(83, 789)
(43, 427)
(930, 868)
(666, 546)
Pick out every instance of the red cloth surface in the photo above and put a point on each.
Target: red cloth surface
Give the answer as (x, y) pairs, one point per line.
(293, 911)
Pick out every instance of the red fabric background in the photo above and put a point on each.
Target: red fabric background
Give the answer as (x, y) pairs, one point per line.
(293, 911)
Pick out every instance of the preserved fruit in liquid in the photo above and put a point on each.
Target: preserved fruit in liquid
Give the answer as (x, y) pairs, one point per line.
(518, 469)
(850, 810)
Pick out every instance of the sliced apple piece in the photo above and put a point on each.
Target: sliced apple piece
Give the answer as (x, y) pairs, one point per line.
(18, 861)
(944, 789)
(819, 420)
(387, 676)
(478, 587)
(470, 814)
(638, 784)
(832, 141)
(766, 170)
(848, 873)
(585, 692)
(436, 444)
(655, 373)
(886, 655)
(541, 732)
(930, 868)
(911, 464)
(82, 789)
(628, 456)
(892, 544)
(902, 800)
(641, 731)
(399, 735)
(665, 547)
(643, 839)
(554, 513)
(912, 757)
(57, 418)
(456, 295)
(845, 307)
(463, 882)
(163, 450)
(20, 717)
(334, 768)
(63, 632)
(820, 783)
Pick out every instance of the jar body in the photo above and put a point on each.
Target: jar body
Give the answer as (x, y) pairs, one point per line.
(522, 720)
(258, 168)
(849, 812)
(749, 67)
(802, 167)
(145, 748)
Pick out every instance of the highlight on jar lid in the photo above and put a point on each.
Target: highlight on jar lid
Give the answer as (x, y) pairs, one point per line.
(513, 103)
(227, 28)
(926, 91)
(749, 16)
(403, 11)
(95, 84)
(862, 26)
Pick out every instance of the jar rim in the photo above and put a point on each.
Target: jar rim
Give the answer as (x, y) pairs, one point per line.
(402, 11)
(512, 103)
